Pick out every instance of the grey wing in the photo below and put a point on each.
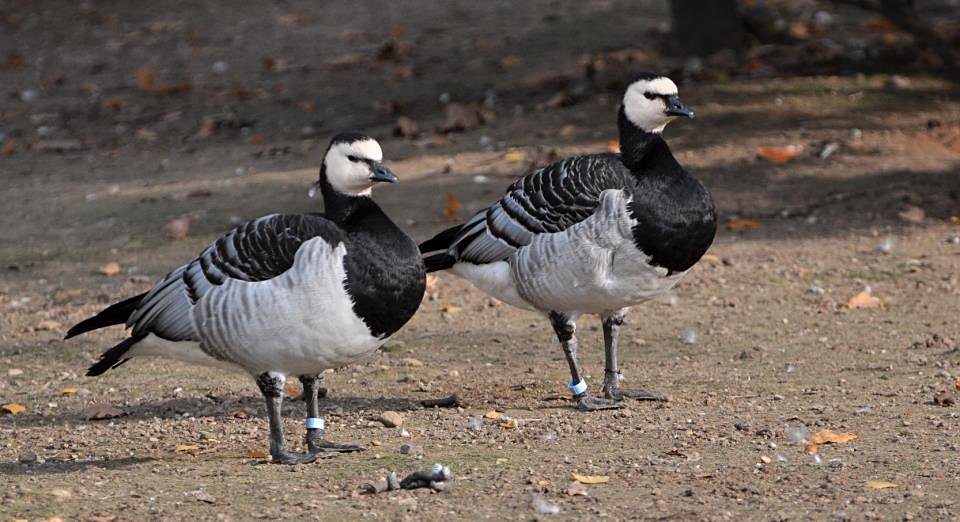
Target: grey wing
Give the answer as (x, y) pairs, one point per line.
(256, 251)
(546, 201)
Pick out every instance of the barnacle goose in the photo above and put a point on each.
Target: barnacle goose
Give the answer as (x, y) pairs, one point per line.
(285, 294)
(591, 234)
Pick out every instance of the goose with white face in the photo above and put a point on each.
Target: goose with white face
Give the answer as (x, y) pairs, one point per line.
(651, 103)
(353, 165)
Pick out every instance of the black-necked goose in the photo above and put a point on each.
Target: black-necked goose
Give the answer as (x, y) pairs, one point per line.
(591, 234)
(285, 294)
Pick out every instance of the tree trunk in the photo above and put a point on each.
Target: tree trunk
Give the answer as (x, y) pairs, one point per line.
(703, 27)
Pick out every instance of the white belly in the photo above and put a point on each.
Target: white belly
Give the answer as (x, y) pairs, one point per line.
(300, 322)
(591, 267)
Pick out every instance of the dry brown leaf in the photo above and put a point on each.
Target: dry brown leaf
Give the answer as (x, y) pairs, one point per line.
(591, 479)
(738, 225)
(514, 156)
(494, 415)
(146, 134)
(113, 103)
(955, 220)
(48, 325)
(8, 149)
(69, 391)
(186, 447)
(453, 205)
(257, 454)
(810, 449)
(825, 436)
(451, 309)
(710, 258)
(13, 408)
(101, 412)
(613, 146)
(258, 139)
(146, 78)
(111, 268)
(308, 105)
(293, 19)
(406, 127)
(292, 391)
(508, 424)
(177, 229)
(912, 214)
(576, 489)
(238, 414)
(779, 154)
(957, 385)
(879, 484)
(864, 300)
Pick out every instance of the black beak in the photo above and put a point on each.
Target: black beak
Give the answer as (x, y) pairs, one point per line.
(382, 173)
(675, 107)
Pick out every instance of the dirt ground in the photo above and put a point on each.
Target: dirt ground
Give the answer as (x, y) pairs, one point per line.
(757, 348)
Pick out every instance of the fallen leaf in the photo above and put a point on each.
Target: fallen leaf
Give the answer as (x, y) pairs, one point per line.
(591, 479)
(453, 205)
(177, 229)
(238, 414)
(613, 146)
(13, 408)
(113, 103)
(111, 268)
(48, 325)
(955, 220)
(450, 309)
(102, 412)
(742, 224)
(292, 391)
(779, 154)
(957, 385)
(307, 105)
(293, 19)
(257, 454)
(494, 415)
(146, 78)
(258, 139)
(69, 391)
(8, 149)
(186, 447)
(912, 214)
(576, 489)
(459, 118)
(879, 484)
(514, 156)
(825, 436)
(406, 127)
(147, 134)
(508, 424)
(710, 258)
(810, 449)
(863, 300)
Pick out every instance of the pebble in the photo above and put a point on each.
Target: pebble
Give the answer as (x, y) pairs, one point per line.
(391, 419)
(220, 67)
(28, 457)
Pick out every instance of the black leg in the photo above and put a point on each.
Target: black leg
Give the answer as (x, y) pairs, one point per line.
(565, 328)
(611, 373)
(315, 440)
(271, 386)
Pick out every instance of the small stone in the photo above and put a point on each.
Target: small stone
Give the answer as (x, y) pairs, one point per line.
(13, 372)
(61, 494)
(742, 426)
(765, 459)
(405, 449)
(391, 419)
(412, 362)
(405, 434)
(27, 457)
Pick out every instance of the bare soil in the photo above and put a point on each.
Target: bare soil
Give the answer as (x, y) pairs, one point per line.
(776, 349)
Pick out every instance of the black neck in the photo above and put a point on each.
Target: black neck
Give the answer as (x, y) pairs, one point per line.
(635, 143)
(339, 207)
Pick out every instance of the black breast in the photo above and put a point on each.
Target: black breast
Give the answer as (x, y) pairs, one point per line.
(676, 219)
(385, 274)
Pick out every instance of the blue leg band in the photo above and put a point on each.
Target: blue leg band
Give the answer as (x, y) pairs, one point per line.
(576, 388)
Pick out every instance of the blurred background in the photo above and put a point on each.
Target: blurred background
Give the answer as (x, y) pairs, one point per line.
(134, 133)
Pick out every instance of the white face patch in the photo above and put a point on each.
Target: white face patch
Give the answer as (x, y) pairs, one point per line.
(352, 177)
(649, 115)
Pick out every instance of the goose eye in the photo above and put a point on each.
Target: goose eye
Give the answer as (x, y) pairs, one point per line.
(353, 158)
(649, 95)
